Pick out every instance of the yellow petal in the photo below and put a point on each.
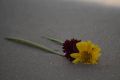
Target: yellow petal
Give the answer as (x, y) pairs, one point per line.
(96, 48)
(75, 55)
(76, 61)
(83, 46)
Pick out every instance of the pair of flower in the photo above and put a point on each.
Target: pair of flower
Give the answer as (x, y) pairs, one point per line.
(81, 51)
(75, 50)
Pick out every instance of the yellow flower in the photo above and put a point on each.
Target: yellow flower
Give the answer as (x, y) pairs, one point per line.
(89, 53)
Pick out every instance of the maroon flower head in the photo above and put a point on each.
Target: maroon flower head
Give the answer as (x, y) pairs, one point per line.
(69, 47)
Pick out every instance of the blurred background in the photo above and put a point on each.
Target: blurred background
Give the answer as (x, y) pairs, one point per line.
(113, 3)
(105, 2)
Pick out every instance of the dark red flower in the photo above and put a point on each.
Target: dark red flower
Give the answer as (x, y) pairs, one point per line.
(69, 46)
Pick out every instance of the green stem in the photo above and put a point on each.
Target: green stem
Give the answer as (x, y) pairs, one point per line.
(32, 44)
(54, 40)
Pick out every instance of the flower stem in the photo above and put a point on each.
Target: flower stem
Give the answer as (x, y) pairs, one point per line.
(33, 44)
(54, 40)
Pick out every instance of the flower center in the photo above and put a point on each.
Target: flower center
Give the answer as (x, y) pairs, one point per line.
(86, 57)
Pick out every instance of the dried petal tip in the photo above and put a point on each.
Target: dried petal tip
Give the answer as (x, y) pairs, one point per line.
(69, 47)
